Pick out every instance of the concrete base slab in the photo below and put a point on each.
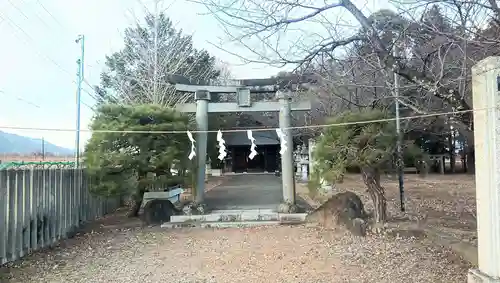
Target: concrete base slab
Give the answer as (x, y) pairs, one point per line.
(293, 217)
(236, 224)
(273, 207)
(476, 276)
(239, 216)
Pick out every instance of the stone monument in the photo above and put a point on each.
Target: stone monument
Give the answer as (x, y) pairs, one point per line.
(301, 158)
(486, 101)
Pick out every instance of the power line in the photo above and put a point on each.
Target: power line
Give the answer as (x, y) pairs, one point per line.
(31, 39)
(256, 129)
(17, 8)
(22, 99)
(36, 105)
(25, 16)
(90, 94)
(66, 31)
(33, 42)
(90, 107)
(51, 15)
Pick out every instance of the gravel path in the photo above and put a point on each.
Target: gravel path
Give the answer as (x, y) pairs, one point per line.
(271, 254)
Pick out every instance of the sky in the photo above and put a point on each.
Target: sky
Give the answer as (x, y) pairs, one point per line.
(38, 56)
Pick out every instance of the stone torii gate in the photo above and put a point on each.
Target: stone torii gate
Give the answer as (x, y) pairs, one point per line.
(203, 106)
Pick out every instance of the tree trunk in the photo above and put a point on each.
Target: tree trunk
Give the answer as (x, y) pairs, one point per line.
(371, 178)
(136, 203)
(137, 197)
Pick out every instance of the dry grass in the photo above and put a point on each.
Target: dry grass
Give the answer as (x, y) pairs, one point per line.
(117, 250)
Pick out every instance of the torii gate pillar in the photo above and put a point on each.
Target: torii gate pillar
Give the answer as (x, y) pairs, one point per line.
(202, 98)
(287, 174)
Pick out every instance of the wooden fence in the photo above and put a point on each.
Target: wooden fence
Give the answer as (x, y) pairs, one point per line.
(38, 207)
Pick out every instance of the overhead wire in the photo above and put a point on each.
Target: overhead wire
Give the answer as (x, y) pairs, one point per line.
(86, 104)
(17, 8)
(6, 18)
(65, 30)
(261, 129)
(85, 81)
(136, 22)
(51, 15)
(21, 99)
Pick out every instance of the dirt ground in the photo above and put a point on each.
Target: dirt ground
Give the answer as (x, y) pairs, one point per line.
(116, 249)
(444, 206)
(441, 201)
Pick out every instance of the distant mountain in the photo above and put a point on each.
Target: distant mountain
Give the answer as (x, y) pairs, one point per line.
(12, 143)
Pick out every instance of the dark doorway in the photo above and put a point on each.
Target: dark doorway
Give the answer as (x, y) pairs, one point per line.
(265, 160)
(239, 159)
(257, 164)
(271, 153)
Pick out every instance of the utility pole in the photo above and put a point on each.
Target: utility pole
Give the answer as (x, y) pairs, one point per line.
(43, 149)
(80, 77)
(399, 149)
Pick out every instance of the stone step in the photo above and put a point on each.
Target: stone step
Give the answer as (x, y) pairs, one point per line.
(234, 224)
(240, 216)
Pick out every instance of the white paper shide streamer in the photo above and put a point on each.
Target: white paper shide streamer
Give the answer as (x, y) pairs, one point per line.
(253, 146)
(222, 146)
(193, 148)
(282, 137)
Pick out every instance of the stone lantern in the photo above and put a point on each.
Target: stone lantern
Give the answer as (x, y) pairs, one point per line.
(301, 157)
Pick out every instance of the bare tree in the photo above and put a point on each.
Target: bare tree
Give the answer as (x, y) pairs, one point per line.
(434, 67)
